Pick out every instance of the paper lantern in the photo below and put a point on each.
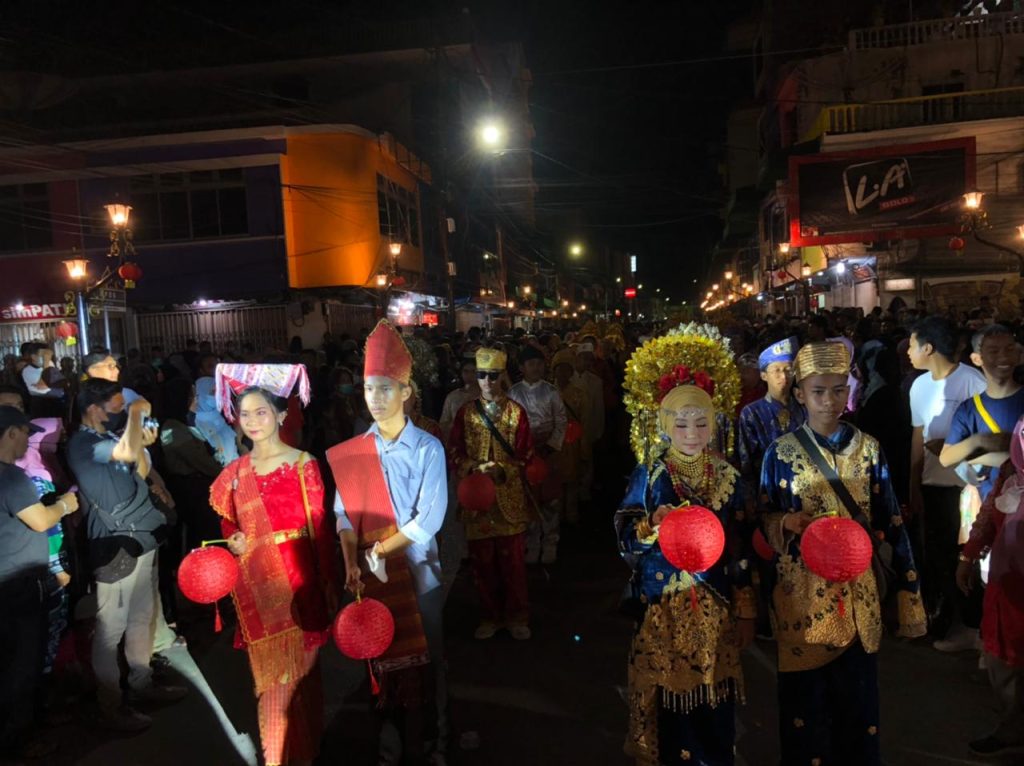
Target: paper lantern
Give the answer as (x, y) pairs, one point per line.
(573, 432)
(536, 471)
(364, 630)
(207, 574)
(66, 330)
(476, 492)
(956, 243)
(836, 549)
(692, 538)
(130, 273)
(761, 546)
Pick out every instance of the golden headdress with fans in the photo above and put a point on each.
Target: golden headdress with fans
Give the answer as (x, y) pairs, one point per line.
(700, 350)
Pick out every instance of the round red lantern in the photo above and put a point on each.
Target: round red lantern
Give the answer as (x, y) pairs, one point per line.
(207, 574)
(761, 546)
(364, 630)
(836, 549)
(130, 273)
(536, 471)
(66, 330)
(477, 492)
(956, 243)
(573, 432)
(692, 538)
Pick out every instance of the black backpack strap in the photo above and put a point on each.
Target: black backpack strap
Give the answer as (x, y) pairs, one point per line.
(814, 453)
(494, 430)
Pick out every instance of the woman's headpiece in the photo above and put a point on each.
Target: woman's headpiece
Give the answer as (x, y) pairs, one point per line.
(277, 379)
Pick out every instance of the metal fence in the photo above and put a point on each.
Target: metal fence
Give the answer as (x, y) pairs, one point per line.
(937, 31)
(13, 335)
(265, 327)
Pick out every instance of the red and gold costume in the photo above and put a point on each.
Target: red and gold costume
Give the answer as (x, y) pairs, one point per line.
(497, 536)
(280, 597)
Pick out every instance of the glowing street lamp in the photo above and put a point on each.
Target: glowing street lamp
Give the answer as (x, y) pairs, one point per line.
(805, 270)
(78, 268)
(119, 214)
(526, 289)
(728, 275)
(575, 249)
(395, 248)
(972, 200)
(492, 135)
(715, 287)
(784, 248)
(382, 280)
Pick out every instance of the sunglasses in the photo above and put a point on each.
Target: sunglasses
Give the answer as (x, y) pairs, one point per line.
(481, 374)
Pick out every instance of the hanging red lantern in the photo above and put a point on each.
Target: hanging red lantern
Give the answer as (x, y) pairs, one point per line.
(956, 243)
(207, 575)
(536, 471)
(364, 630)
(692, 538)
(130, 273)
(476, 492)
(68, 331)
(573, 432)
(761, 546)
(836, 549)
(398, 281)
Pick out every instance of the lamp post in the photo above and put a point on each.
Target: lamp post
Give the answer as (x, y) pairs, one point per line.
(78, 270)
(975, 219)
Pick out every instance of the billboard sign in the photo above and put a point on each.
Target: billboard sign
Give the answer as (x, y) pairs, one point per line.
(896, 192)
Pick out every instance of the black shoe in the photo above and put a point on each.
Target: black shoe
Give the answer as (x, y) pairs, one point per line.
(988, 746)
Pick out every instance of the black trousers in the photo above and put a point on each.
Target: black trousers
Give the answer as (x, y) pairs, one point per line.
(22, 651)
(942, 599)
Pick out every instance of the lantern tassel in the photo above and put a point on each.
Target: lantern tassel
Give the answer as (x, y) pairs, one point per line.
(374, 686)
(693, 597)
(842, 607)
(218, 624)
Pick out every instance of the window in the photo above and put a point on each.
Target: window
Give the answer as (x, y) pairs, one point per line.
(398, 211)
(25, 222)
(196, 205)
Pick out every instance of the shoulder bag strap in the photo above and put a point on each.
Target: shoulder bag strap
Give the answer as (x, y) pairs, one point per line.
(494, 430)
(814, 453)
(309, 514)
(989, 421)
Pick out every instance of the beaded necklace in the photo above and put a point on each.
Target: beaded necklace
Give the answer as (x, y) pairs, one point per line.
(691, 474)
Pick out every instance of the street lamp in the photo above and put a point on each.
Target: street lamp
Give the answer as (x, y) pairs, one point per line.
(784, 248)
(715, 287)
(728, 275)
(119, 214)
(78, 270)
(583, 307)
(805, 270)
(575, 249)
(395, 248)
(972, 200)
(382, 280)
(492, 135)
(974, 219)
(526, 289)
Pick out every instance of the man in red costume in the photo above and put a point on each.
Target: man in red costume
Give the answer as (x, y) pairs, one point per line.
(492, 435)
(391, 501)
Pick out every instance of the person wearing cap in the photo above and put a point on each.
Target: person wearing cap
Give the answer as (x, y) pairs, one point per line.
(460, 396)
(24, 564)
(570, 457)
(777, 413)
(829, 633)
(491, 435)
(391, 500)
(548, 420)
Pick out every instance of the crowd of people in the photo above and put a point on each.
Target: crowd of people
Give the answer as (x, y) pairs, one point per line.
(335, 472)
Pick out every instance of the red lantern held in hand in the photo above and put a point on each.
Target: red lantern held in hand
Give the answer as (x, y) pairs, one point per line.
(836, 549)
(130, 273)
(476, 492)
(761, 546)
(364, 630)
(692, 538)
(207, 575)
(573, 432)
(536, 471)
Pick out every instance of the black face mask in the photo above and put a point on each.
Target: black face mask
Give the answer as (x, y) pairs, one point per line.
(190, 419)
(116, 421)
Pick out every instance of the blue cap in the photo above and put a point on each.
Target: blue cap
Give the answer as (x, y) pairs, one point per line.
(783, 351)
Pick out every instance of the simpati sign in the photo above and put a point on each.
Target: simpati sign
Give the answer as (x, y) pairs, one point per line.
(898, 192)
(35, 312)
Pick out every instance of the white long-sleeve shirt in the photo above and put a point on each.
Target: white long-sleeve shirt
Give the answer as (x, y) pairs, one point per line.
(545, 410)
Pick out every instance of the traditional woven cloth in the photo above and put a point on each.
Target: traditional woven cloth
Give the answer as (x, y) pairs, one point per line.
(277, 379)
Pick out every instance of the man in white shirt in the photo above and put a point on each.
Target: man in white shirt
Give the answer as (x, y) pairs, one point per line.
(934, 397)
(546, 413)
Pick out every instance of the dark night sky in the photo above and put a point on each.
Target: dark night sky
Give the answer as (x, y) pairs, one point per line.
(628, 140)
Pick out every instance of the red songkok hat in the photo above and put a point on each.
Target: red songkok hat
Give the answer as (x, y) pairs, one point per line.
(386, 354)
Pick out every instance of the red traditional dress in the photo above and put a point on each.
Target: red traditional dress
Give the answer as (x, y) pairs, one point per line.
(497, 537)
(281, 597)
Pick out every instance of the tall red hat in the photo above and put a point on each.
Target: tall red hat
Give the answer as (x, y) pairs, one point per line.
(386, 354)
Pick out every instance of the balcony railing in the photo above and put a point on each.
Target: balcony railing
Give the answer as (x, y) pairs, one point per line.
(915, 112)
(937, 31)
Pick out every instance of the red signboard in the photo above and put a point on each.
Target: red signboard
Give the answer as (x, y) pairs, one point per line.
(906, 191)
(629, 292)
(33, 312)
(430, 318)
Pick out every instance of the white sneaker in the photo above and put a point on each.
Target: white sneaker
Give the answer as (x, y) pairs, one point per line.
(520, 632)
(959, 639)
(484, 631)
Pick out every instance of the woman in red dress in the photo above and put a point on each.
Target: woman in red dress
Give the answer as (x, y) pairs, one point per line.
(271, 503)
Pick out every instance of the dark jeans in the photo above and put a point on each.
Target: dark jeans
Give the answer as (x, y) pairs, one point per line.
(23, 630)
(943, 601)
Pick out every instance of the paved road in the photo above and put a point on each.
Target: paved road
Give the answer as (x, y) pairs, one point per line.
(556, 699)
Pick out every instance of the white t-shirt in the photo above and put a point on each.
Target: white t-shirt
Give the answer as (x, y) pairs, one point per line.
(932, 404)
(33, 377)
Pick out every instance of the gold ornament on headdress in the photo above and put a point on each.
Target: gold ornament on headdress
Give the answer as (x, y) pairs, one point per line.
(696, 346)
(491, 360)
(825, 358)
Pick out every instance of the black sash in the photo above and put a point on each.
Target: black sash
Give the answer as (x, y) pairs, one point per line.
(494, 430)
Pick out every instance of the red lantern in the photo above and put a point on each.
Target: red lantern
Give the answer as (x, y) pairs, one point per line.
(692, 538)
(536, 471)
(130, 273)
(207, 575)
(364, 630)
(573, 432)
(956, 243)
(476, 492)
(837, 549)
(761, 546)
(68, 331)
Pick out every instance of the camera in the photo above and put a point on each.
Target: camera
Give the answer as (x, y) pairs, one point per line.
(150, 423)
